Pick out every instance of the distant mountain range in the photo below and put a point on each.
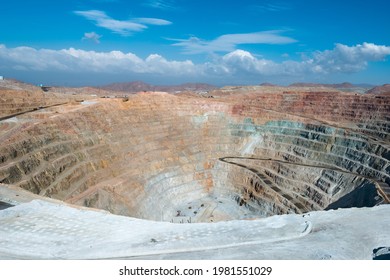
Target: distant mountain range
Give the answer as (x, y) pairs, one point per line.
(138, 86)
(337, 86)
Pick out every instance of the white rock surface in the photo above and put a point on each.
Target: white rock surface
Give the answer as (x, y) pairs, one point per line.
(47, 230)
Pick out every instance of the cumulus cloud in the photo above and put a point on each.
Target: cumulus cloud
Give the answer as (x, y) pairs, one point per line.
(229, 42)
(243, 61)
(155, 63)
(237, 64)
(31, 59)
(341, 59)
(122, 27)
(94, 37)
(76, 60)
(348, 59)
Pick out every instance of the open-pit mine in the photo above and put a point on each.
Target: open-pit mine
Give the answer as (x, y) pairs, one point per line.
(258, 172)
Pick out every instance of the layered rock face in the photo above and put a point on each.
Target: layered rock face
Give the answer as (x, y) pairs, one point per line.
(16, 99)
(246, 153)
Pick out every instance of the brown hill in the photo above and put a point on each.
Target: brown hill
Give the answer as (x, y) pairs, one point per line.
(268, 85)
(138, 86)
(384, 89)
(342, 85)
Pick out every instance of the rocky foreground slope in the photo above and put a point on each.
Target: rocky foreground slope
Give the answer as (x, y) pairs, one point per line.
(233, 154)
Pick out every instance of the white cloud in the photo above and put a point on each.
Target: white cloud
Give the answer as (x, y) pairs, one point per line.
(31, 59)
(243, 61)
(229, 42)
(272, 7)
(348, 59)
(122, 27)
(161, 4)
(153, 21)
(76, 60)
(341, 59)
(237, 65)
(155, 63)
(94, 37)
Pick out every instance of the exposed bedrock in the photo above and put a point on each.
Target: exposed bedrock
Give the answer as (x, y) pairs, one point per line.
(14, 102)
(186, 159)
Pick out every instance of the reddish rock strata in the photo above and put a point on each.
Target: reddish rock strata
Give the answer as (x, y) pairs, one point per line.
(240, 153)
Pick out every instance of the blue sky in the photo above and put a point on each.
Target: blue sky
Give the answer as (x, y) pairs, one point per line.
(95, 42)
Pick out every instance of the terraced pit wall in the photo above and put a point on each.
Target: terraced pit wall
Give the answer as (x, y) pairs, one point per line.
(186, 159)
